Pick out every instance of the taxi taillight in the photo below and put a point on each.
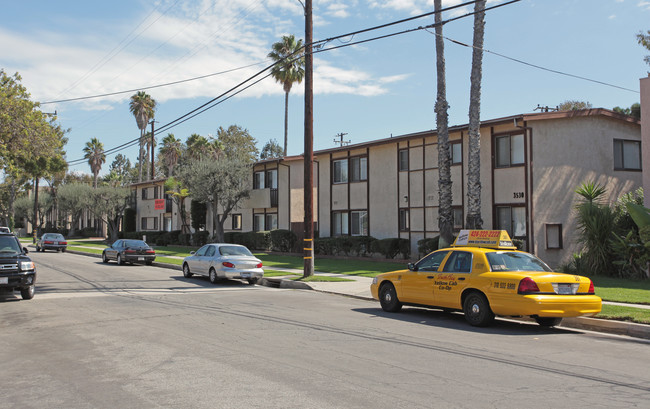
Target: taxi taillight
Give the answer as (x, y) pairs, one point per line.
(592, 290)
(527, 286)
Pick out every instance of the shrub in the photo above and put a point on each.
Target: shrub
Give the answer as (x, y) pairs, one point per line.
(254, 240)
(130, 216)
(283, 240)
(426, 246)
(184, 239)
(392, 247)
(200, 238)
(361, 246)
(324, 246)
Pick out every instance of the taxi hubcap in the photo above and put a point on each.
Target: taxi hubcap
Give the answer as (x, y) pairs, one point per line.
(475, 309)
(387, 297)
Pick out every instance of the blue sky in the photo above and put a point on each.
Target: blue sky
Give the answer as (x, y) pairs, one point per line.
(69, 49)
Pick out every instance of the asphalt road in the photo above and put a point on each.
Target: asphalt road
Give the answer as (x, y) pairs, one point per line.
(107, 336)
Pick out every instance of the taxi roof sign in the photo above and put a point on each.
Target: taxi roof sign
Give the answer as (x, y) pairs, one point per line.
(496, 239)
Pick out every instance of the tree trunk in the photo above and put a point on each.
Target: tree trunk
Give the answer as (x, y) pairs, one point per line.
(445, 222)
(474, 220)
(35, 217)
(286, 122)
(140, 157)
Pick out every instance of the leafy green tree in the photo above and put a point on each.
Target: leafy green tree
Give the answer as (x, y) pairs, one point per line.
(633, 111)
(143, 108)
(288, 55)
(73, 200)
(644, 40)
(271, 149)
(94, 153)
(123, 171)
(175, 189)
(574, 105)
(238, 143)
(25, 209)
(108, 204)
(197, 147)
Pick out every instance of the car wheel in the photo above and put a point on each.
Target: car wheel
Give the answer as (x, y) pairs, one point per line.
(119, 259)
(149, 262)
(104, 258)
(388, 298)
(477, 310)
(213, 276)
(186, 271)
(63, 250)
(28, 292)
(38, 249)
(548, 321)
(253, 281)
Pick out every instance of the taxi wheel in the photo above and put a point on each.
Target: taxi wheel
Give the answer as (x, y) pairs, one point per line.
(548, 321)
(213, 276)
(477, 310)
(186, 271)
(388, 298)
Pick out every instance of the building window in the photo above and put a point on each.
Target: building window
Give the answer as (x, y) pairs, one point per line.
(271, 179)
(512, 219)
(236, 221)
(155, 192)
(258, 222)
(553, 236)
(144, 193)
(456, 153)
(258, 180)
(340, 169)
(359, 223)
(457, 218)
(509, 150)
(271, 221)
(143, 223)
(358, 169)
(403, 159)
(149, 225)
(339, 223)
(404, 220)
(627, 155)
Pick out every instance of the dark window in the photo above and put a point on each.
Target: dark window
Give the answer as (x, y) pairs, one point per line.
(404, 220)
(271, 179)
(553, 236)
(359, 223)
(258, 222)
(512, 219)
(509, 150)
(271, 221)
(143, 223)
(258, 180)
(458, 262)
(457, 215)
(155, 192)
(340, 171)
(432, 261)
(210, 251)
(236, 222)
(358, 169)
(627, 155)
(340, 224)
(403, 159)
(144, 192)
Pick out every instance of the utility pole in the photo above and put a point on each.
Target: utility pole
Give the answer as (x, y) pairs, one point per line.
(308, 245)
(153, 142)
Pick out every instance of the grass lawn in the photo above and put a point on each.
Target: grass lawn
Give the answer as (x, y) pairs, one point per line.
(620, 313)
(363, 268)
(319, 278)
(622, 290)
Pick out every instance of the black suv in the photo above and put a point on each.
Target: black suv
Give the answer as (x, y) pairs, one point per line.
(17, 271)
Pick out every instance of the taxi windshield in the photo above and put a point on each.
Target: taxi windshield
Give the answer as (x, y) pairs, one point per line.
(514, 261)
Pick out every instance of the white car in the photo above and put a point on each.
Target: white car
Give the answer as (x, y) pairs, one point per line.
(219, 261)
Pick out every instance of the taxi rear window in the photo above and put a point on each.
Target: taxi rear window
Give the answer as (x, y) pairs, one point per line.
(513, 261)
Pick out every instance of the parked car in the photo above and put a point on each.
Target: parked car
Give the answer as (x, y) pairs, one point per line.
(4, 229)
(52, 241)
(483, 275)
(220, 261)
(17, 271)
(129, 251)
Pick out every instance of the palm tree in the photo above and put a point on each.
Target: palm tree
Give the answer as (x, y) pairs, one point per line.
(143, 107)
(149, 146)
(197, 146)
(474, 220)
(94, 152)
(288, 55)
(445, 222)
(171, 152)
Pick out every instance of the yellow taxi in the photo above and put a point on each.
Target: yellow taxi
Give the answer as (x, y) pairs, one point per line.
(483, 275)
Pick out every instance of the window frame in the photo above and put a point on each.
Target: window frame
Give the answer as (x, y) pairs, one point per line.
(236, 219)
(361, 167)
(498, 163)
(404, 219)
(456, 160)
(257, 226)
(620, 144)
(342, 178)
(363, 228)
(560, 244)
(270, 219)
(343, 223)
(258, 179)
(403, 160)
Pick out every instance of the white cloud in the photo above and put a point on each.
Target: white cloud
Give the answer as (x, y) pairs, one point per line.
(644, 4)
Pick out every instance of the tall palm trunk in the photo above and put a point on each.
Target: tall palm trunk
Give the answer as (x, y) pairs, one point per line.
(140, 156)
(445, 222)
(474, 220)
(286, 121)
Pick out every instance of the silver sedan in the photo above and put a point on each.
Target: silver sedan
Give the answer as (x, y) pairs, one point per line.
(220, 261)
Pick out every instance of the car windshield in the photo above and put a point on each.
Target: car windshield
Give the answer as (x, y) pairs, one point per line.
(234, 251)
(9, 245)
(514, 261)
(134, 243)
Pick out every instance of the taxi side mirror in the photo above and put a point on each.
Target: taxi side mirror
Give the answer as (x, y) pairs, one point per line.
(412, 267)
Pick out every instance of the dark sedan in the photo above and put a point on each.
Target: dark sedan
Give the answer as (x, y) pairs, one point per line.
(129, 251)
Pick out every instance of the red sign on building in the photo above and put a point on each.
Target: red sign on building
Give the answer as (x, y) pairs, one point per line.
(159, 204)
